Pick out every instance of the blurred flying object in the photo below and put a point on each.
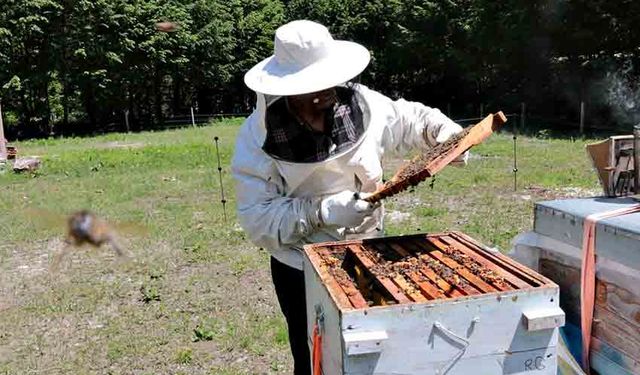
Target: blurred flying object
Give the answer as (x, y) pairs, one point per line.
(166, 27)
(85, 228)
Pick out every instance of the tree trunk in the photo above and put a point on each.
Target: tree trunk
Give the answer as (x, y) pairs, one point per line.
(65, 106)
(157, 97)
(47, 123)
(177, 97)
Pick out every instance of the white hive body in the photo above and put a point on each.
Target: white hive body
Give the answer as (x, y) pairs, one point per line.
(448, 306)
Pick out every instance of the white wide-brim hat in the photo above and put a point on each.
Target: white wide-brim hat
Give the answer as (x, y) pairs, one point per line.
(306, 59)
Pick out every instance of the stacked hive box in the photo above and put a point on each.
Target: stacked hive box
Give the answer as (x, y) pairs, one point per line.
(554, 248)
(429, 304)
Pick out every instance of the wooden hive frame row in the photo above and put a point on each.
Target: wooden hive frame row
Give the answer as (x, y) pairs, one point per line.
(414, 269)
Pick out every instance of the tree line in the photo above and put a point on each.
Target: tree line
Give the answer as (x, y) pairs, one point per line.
(78, 66)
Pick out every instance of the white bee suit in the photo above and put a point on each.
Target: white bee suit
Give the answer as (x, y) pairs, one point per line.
(278, 201)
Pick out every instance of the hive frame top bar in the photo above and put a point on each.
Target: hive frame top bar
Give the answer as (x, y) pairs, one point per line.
(426, 165)
(451, 267)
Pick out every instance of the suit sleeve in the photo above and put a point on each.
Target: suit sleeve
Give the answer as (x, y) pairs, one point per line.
(408, 125)
(270, 219)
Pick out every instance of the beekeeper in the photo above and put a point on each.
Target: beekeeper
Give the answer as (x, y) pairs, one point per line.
(313, 141)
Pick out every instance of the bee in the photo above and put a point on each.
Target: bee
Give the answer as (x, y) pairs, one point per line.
(84, 227)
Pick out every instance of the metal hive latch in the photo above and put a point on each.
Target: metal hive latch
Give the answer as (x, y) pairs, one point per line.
(319, 317)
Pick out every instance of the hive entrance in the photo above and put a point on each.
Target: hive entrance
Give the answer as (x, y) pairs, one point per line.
(410, 269)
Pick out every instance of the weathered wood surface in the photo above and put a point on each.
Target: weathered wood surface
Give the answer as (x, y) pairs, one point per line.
(345, 294)
(435, 278)
(600, 157)
(509, 281)
(397, 294)
(608, 360)
(604, 156)
(427, 286)
(617, 310)
(507, 264)
(613, 330)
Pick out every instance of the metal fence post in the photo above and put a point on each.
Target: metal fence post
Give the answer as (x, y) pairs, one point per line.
(582, 114)
(193, 120)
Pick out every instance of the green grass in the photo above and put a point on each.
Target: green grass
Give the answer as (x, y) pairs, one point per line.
(196, 297)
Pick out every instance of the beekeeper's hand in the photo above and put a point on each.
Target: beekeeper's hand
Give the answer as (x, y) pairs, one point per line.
(446, 132)
(345, 209)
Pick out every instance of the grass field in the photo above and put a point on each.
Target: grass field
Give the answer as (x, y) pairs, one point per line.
(196, 297)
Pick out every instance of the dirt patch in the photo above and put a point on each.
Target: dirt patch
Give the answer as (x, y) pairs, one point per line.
(91, 311)
(406, 202)
(541, 193)
(476, 156)
(395, 217)
(27, 264)
(5, 303)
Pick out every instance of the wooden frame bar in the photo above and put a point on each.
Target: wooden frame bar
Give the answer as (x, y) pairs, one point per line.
(415, 269)
(395, 292)
(345, 293)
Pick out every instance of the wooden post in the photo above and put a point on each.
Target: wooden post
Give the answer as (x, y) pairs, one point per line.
(3, 144)
(581, 118)
(126, 120)
(636, 159)
(193, 120)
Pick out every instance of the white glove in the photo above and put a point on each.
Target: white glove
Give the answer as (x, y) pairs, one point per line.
(446, 132)
(344, 210)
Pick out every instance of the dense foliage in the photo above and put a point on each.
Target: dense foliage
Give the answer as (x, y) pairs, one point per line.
(73, 66)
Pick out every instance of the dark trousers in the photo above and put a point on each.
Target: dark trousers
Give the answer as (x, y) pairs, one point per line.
(289, 285)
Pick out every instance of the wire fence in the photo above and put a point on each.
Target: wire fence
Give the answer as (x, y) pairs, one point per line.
(523, 123)
(198, 119)
(520, 121)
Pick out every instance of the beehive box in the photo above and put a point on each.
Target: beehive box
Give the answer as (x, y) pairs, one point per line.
(613, 160)
(554, 248)
(429, 304)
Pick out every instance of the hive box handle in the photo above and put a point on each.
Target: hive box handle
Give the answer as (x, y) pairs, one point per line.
(539, 319)
(357, 343)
